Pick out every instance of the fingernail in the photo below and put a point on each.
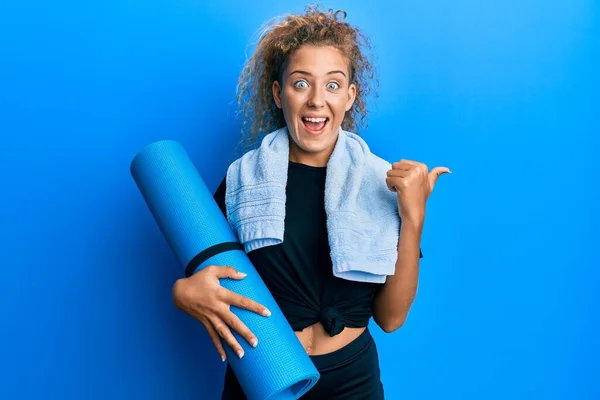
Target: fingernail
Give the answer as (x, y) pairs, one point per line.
(266, 313)
(222, 358)
(242, 274)
(240, 353)
(254, 342)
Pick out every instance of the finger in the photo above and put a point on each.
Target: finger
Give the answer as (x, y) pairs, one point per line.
(435, 173)
(398, 172)
(237, 325)
(409, 163)
(390, 185)
(224, 271)
(225, 333)
(214, 337)
(240, 301)
(402, 165)
(394, 183)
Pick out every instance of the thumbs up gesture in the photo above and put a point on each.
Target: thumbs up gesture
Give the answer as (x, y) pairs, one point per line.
(413, 182)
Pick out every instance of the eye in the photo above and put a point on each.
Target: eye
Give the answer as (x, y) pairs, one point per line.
(301, 84)
(333, 85)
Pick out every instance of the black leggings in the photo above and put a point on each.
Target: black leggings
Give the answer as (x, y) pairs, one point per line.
(350, 373)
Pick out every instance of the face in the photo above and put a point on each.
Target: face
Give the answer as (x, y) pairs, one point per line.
(314, 94)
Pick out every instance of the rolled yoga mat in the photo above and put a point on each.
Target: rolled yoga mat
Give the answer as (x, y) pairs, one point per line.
(199, 235)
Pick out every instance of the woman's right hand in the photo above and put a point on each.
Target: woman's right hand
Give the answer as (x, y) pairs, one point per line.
(202, 296)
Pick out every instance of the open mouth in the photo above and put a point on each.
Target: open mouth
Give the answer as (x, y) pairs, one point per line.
(315, 125)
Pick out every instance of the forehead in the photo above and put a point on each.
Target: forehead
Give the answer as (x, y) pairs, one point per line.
(317, 60)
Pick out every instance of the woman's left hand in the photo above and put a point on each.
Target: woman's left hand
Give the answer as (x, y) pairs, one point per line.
(413, 182)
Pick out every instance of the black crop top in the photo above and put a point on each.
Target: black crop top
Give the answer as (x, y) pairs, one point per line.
(298, 272)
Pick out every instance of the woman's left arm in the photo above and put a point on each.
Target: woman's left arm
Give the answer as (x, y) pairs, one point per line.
(394, 299)
(413, 183)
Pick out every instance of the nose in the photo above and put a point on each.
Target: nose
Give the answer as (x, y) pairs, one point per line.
(316, 99)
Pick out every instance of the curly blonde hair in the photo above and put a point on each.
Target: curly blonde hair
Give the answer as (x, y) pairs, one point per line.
(254, 92)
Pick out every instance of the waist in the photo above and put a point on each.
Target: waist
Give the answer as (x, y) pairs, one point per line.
(345, 354)
(318, 341)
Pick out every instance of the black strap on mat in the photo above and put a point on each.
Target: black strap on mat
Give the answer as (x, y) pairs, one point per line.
(208, 253)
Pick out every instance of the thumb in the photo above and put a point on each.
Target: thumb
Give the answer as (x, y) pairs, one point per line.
(435, 173)
(228, 272)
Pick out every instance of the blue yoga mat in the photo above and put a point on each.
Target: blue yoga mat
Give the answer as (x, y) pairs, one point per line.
(194, 227)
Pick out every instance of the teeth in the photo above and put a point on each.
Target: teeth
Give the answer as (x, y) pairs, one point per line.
(315, 119)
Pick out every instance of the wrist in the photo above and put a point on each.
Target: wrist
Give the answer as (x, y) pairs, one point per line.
(179, 291)
(413, 222)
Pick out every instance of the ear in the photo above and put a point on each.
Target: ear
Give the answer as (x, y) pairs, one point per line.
(351, 96)
(277, 93)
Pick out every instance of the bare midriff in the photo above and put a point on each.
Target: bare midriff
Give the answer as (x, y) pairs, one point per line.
(316, 340)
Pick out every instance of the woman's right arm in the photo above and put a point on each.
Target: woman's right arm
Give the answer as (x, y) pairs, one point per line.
(202, 296)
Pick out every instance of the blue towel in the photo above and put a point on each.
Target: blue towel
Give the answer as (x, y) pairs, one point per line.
(363, 223)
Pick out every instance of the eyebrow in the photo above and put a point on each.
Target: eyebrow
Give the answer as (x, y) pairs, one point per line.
(337, 71)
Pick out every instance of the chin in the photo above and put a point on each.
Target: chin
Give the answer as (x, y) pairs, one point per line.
(313, 145)
(315, 141)
(313, 148)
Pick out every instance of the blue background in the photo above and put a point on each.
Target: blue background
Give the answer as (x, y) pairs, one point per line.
(504, 93)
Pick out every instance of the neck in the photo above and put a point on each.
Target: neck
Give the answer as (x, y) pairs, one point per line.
(312, 159)
(316, 159)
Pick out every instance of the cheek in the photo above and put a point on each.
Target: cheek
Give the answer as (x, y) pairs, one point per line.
(290, 99)
(338, 104)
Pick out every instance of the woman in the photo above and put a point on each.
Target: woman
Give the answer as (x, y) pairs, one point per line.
(308, 79)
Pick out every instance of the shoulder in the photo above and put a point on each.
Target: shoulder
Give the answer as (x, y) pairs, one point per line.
(378, 164)
(272, 145)
(375, 169)
(373, 163)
